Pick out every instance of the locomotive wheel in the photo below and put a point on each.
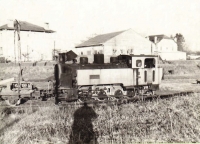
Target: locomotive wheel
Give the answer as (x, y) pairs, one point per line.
(118, 93)
(124, 101)
(131, 93)
(102, 95)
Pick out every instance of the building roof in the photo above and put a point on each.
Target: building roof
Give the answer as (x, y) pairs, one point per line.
(98, 40)
(25, 26)
(159, 37)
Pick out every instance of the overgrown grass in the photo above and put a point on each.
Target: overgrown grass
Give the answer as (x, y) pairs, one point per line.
(29, 72)
(162, 120)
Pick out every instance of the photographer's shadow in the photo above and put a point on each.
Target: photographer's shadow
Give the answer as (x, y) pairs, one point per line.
(82, 128)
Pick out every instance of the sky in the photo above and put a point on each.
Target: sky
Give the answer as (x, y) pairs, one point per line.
(78, 20)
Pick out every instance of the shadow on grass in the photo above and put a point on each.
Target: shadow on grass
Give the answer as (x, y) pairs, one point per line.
(82, 128)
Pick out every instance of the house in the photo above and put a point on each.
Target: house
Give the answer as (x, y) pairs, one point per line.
(113, 44)
(166, 47)
(36, 42)
(193, 56)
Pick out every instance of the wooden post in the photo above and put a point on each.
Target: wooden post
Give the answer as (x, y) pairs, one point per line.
(17, 29)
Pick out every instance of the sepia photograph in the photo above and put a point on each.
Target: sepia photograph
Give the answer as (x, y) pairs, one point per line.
(99, 71)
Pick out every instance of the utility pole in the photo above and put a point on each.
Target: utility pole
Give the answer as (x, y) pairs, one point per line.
(14, 47)
(17, 29)
(54, 50)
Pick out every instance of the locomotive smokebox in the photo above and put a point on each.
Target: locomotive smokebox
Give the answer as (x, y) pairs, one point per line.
(99, 58)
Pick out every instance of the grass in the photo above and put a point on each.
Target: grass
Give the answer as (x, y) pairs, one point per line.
(161, 120)
(29, 72)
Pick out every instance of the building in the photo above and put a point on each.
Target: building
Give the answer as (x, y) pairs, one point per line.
(36, 42)
(166, 47)
(113, 44)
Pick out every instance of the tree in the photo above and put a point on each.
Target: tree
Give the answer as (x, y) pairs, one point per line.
(26, 56)
(182, 46)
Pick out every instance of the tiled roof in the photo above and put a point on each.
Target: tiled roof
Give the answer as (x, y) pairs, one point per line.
(25, 26)
(98, 40)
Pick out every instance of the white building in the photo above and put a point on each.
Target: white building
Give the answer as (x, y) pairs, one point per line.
(166, 47)
(36, 42)
(113, 44)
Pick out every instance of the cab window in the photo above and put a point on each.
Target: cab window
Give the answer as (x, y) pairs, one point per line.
(138, 63)
(149, 63)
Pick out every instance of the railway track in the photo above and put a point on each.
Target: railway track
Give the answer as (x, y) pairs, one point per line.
(27, 102)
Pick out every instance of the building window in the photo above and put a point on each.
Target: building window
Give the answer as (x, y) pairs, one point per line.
(81, 53)
(88, 52)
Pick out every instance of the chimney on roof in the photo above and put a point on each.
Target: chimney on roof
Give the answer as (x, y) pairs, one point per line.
(10, 23)
(155, 39)
(46, 26)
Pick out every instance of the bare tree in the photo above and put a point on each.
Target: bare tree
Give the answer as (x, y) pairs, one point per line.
(26, 56)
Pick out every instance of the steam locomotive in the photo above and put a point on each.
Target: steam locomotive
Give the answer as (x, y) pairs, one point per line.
(125, 75)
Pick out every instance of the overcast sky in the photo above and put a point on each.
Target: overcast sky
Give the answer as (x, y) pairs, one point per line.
(76, 20)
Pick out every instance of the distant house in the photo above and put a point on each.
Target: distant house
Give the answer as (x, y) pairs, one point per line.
(36, 42)
(166, 47)
(116, 43)
(193, 56)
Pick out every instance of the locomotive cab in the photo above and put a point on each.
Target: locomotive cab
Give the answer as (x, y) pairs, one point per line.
(146, 71)
(144, 61)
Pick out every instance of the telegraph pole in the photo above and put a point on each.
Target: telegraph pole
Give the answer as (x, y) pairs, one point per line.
(17, 29)
(54, 50)
(14, 48)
